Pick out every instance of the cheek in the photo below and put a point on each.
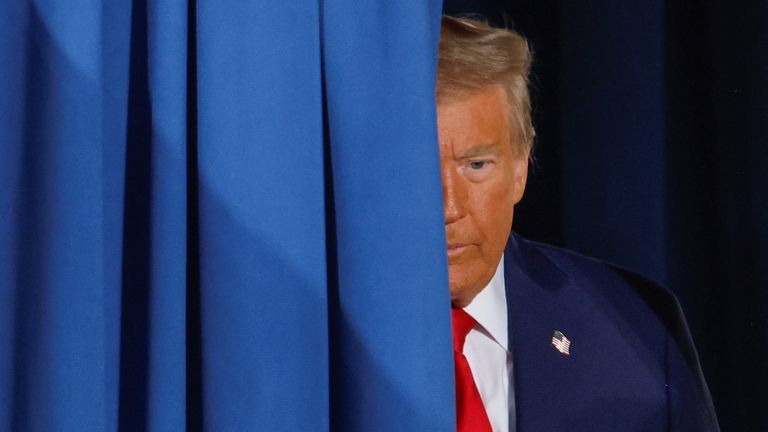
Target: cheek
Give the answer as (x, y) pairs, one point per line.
(494, 210)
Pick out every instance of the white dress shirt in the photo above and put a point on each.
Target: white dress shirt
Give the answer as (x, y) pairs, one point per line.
(487, 351)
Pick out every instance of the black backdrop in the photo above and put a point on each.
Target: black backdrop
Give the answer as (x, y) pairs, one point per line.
(652, 152)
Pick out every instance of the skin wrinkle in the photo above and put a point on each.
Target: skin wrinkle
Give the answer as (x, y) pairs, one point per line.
(483, 178)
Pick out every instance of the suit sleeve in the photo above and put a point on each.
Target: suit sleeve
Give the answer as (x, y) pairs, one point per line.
(690, 403)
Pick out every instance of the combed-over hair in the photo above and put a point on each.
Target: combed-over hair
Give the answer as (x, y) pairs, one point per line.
(474, 56)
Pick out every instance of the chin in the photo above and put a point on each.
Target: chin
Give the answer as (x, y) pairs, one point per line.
(460, 303)
(462, 294)
(464, 286)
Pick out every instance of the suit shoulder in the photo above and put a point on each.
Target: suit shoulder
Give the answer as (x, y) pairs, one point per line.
(631, 292)
(602, 275)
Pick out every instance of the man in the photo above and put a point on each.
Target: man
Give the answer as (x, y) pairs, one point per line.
(544, 339)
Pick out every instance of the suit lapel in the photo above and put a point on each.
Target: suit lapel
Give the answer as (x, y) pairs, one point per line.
(536, 309)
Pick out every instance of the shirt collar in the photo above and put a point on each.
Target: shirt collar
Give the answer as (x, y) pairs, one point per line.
(489, 308)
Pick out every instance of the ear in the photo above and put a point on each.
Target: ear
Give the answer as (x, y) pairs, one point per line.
(520, 176)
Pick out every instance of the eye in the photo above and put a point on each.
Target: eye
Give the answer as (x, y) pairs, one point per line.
(478, 170)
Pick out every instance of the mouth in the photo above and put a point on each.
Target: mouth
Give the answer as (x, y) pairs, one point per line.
(457, 248)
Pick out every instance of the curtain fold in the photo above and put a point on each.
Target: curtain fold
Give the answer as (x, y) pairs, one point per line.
(263, 285)
(58, 369)
(221, 215)
(392, 357)
(152, 359)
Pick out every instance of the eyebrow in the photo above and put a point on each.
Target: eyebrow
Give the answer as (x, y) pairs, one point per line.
(480, 149)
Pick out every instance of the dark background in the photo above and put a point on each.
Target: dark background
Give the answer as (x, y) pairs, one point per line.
(652, 152)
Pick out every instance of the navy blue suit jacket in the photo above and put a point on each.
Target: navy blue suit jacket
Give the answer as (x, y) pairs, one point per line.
(632, 364)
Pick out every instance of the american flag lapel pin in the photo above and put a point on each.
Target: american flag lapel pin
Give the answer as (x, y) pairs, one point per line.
(561, 343)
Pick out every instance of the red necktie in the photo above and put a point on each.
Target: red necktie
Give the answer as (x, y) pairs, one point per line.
(470, 412)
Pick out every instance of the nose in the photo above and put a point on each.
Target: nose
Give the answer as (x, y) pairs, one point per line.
(454, 194)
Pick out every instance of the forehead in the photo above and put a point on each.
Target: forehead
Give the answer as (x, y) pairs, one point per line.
(479, 118)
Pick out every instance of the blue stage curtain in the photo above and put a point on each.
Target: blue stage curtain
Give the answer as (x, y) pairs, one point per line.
(221, 215)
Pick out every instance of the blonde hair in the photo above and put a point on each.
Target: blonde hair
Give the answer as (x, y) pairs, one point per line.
(474, 56)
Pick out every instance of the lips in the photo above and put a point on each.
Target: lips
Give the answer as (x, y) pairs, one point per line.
(456, 246)
(456, 251)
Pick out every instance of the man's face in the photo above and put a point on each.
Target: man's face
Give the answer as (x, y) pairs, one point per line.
(483, 178)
